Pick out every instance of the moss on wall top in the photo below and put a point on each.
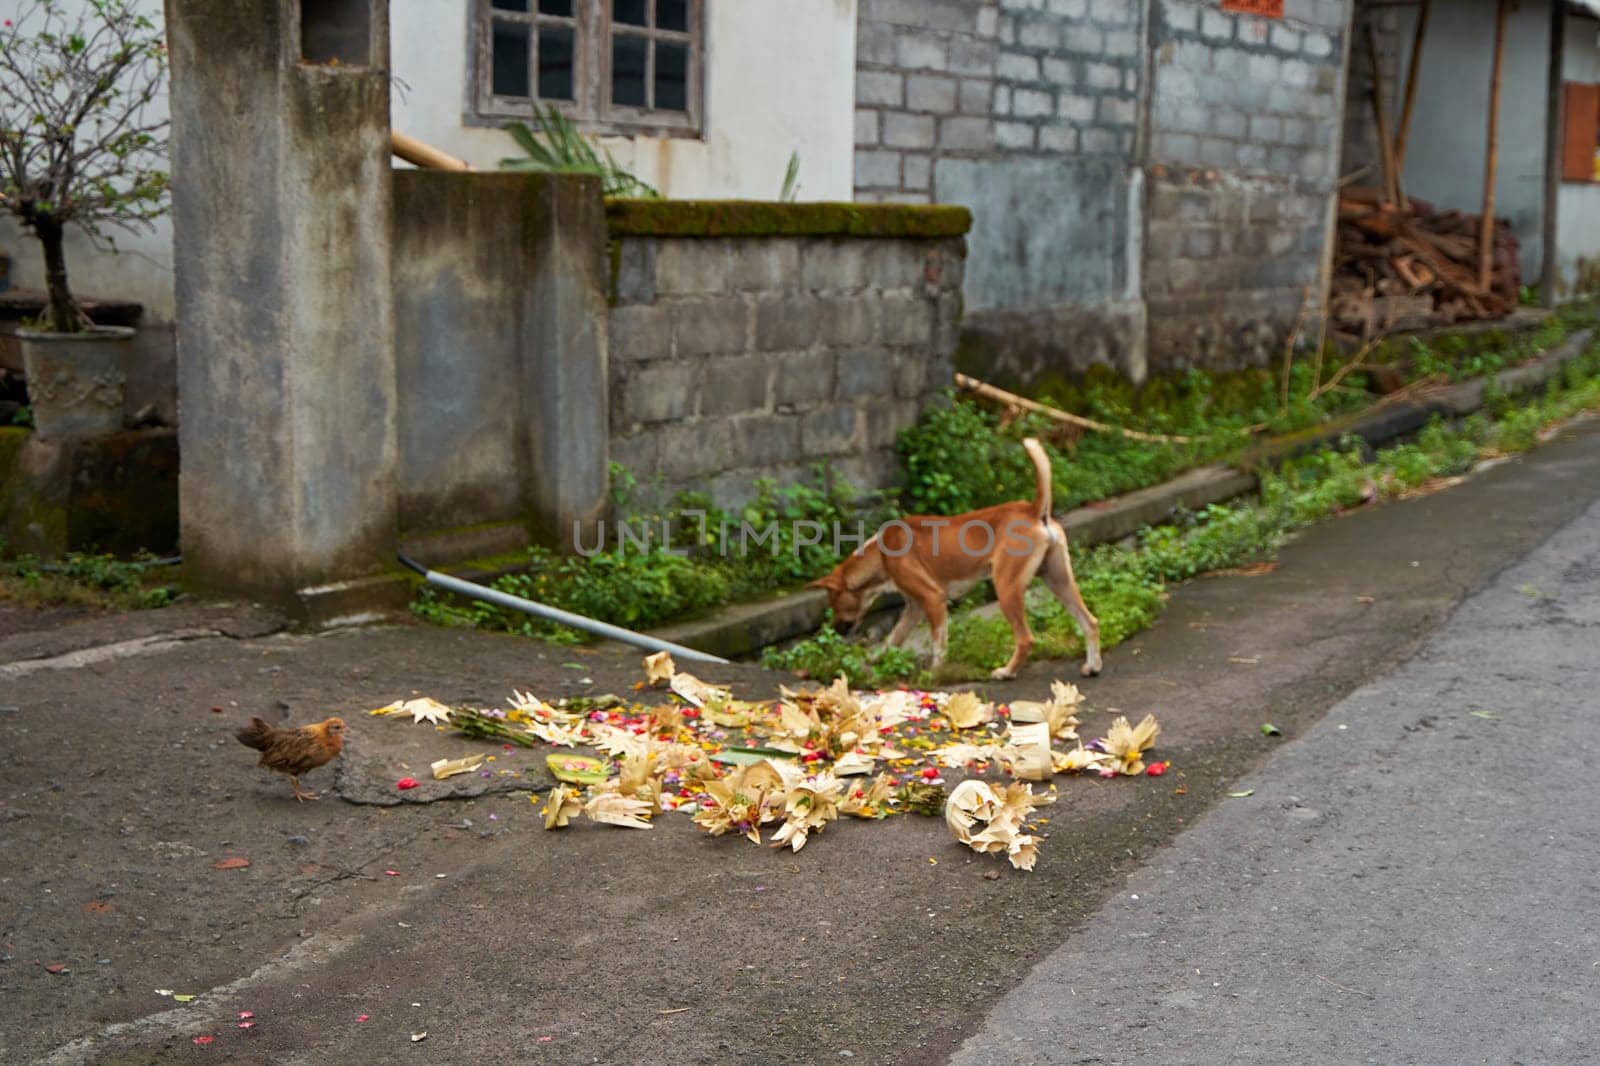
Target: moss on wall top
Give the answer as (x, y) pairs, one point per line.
(757, 218)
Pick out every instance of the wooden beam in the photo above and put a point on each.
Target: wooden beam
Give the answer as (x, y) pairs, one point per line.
(1390, 185)
(1550, 272)
(1492, 150)
(1410, 104)
(416, 153)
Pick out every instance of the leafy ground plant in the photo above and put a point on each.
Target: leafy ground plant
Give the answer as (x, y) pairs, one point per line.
(79, 580)
(1126, 585)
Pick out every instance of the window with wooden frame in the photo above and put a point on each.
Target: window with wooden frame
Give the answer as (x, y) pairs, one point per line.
(1580, 137)
(611, 66)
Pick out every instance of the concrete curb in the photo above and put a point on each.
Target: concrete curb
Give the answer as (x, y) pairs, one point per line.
(747, 627)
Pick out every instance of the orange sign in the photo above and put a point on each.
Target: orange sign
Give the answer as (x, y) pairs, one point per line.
(1272, 9)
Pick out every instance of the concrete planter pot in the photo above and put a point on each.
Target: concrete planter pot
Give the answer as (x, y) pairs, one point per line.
(76, 381)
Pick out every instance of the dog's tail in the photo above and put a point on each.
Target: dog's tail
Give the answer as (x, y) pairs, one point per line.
(1041, 473)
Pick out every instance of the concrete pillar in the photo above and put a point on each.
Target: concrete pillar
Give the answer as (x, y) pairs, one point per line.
(566, 388)
(286, 380)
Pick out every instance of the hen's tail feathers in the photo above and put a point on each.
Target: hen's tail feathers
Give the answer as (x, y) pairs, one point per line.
(257, 735)
(1041, 473)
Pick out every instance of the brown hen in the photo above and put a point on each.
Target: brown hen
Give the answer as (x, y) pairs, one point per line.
(294, 751)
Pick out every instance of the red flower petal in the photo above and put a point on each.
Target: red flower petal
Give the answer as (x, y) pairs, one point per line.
(204, 1040)
(1156, 769)
(405, 783)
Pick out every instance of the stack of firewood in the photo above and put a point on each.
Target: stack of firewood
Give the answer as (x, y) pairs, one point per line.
(1412, 267)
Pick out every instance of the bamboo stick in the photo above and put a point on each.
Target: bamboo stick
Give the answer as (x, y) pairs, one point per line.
(1391, 182)
(423, 155)
(1403, 135)
(1492, 153)
(999, 395)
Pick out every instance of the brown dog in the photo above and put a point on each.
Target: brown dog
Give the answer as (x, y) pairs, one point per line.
(933, 560)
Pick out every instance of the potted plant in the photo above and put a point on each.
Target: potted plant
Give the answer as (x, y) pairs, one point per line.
(80, 145)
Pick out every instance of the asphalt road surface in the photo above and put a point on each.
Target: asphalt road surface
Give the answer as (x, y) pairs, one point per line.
(1417, 886)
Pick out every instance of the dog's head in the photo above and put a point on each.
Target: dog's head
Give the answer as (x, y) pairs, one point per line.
(847, 604)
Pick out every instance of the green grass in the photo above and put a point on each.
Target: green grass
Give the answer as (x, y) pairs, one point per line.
(961, 456)
(101, 582)
(1126, 586)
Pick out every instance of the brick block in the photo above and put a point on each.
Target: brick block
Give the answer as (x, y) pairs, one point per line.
(831, 430)
(1032, 103)
(635, 452)
(1285, 39)
(710, 326)
(865, 374)
(1085, 39)
(802, 379)
(925, 92)
(1097, 141)
(988, 22)
(692, 450)
(918, 172)
(1317, 45)
(739, 385)
(1217, 151)
(1014, 136)
(687, 267)
(972, 56)
(885, 421)
(1200, 244)
(908, 131)
(1002, 100)
(846, 321)
(1266, 129)
(947, 323)
(1102, 75)
(639, 332)
(880, 88)
(1130, 80)
(1038, 34)
(877, 169)
(1072, 9)
(963, 134)
(1058, 139)
(905, 320)
(1112, 12)
(663, 392)
(1118, 110)
(783, 323)
(768, 264)
(1216, 26)
(976, 94)
(1175, 147)
(1122, 43)
(833, 263)
(636, 272)
(921, 51)
(911, 374)
(1296, 73)
(1226, 122)
(1076, 108)
(874, 42)
(866, 127)
(762, 440)
(1013, 66)
(1180, 17)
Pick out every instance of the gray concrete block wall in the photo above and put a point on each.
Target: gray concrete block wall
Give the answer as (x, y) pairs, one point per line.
(1246, 118)
(1067, 77)
(734, 359)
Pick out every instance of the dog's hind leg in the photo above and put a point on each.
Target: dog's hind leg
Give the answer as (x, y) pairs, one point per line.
(1057, 574)
(907, 622)
(1013, 606)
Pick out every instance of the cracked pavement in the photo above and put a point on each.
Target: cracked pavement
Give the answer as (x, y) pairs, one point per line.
(120, 787)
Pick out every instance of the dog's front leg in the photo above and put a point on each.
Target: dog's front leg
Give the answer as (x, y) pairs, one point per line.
(902, 628)
(938, 615)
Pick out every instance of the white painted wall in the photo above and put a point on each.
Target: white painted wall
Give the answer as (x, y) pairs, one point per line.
(1578, 206)
(780, 79)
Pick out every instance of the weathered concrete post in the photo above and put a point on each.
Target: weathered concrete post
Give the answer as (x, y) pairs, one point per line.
(566, 385)
(286, 382)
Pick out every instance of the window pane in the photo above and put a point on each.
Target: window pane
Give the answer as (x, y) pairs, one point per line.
(630, 12)
(562, 8)
(555, 63)
(511, 43)
(672, 15)
(510, 5)
(672, 77)
(627, 70)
